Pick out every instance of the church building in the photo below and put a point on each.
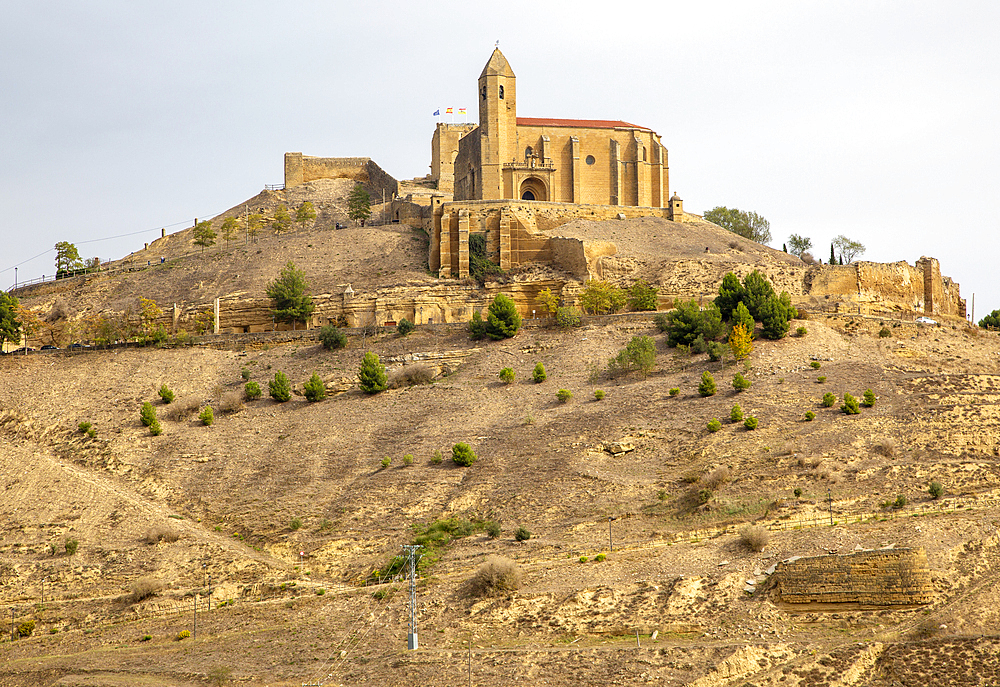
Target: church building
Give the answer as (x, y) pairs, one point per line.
(581, 161)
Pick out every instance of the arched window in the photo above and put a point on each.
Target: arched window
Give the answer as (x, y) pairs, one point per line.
(528, 195)
(501, 93)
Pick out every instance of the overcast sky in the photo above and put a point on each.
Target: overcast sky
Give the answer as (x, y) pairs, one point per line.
(877, 120)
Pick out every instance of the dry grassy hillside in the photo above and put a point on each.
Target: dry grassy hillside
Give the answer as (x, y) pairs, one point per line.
(288, 508)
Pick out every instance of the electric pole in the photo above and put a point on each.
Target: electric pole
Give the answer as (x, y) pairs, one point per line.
(411, 551)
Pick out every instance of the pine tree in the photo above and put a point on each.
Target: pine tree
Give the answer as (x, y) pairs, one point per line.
(359, 204)
(290, 294)
(371, 374)
(707, 386)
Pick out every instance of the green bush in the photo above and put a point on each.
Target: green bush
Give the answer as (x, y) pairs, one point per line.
(155, 429)
(147, 414)
(183, 634)
(642, 296)
(252, 391)
(522, 533)
(538, 374)
(332, 338)
(750, 422)
(207, 416)
(674, 391)
(821, 380)
(742, 316)
(935, 490)
(797, 492)
(850, 406)
(741, 383)
(601, 297)
(730, 295)
(698, 346)
(502, 320)
(567, 317)
(598, 394)
(463, 455)
(716, 350)
(245, 374)
(477, 328)
(437, 458)
(71, 546)
(584, 559)
(775, 314)
(314, 389)
(405, 327)
(704, 495)
(639, 355)
(386, 462)
(371, 374)
(900, 502)
(707, 386)
(687, 321)
(828, 400)
(884, 332)
(507, 375)
(736, 414)
(810, 415)
(801, 331)
(815, 364)
(295, 524)
(492, 529)
(280, 388)
(166, 394)
(869, 398)
(714, 425)
(26, 628)
(408, 459)
(84, 427)
(600, 558)
(564, 395)
(92, 432)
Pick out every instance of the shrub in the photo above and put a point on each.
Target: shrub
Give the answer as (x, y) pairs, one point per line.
(797, 492)
(502, 319)
(828, 400)
(750, 423)
(775, 314)
(184, 408)
(600, 297)
(463, 455)
(408, 459)
(714, 425)
(538, 374)
(741, 383)
(477, 328)
(231, 402)
(736, 414)
(707, 386)
(155, 429)
(639, 355)
(371, 374)
(567, 317)
(507, 375)
(183, 634)
(84, 427)
(166, 394)
(314, 389)
(754, 537)
(411, 375)
(698, 346)
(92, 432)
(492, 529)
(280, 388)
(207, 416)
(252, 391)
(496, 576)
(810, 416)
(740, 342)
(801, 331)
(704, 495)
(687, 321)
(642, 296)
(869, 398)
(564, 395)
(900, 502)
(850, 406)
(884, 332)
(522, 533)
(332, 338)
(742, 317)
(935, 490)
(147, 414)
(437, 458)
(674, 391)
(71, 545)
(158, 533)
(716, 350)
(884, 447)
(145, 587)
(815, 365)
(386, 462)
(320, 591)
(598, 394)
(245, 374)
(26, 628)
(295, 524)
(821, 379)
(600, 558)
(405, 327)
(584, 559)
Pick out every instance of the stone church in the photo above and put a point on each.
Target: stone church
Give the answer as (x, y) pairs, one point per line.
(598, 162)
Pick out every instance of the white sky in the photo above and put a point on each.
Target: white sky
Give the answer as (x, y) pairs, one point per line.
(877, 120)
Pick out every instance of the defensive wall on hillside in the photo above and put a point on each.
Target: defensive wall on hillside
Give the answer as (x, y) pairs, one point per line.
(887, 577)
(300, 169)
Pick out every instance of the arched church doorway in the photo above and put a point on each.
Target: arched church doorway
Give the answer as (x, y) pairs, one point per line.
(533, 188)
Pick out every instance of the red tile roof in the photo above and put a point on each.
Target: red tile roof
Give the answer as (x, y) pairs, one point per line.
(578, 123)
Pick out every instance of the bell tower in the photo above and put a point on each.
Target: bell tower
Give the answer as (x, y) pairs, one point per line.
(497, 124)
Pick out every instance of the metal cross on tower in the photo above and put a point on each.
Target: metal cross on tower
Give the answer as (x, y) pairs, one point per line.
(411, 552)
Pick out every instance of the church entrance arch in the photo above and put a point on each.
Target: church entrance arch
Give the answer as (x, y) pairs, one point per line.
(533, 188)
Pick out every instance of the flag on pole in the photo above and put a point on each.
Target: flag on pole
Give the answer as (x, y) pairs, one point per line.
(461, 110)
(437, 112)
(449, 111)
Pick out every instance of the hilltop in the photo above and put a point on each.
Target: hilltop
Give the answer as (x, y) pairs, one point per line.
(289, 509)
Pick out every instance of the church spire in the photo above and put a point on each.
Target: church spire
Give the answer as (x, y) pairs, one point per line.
(497, 66)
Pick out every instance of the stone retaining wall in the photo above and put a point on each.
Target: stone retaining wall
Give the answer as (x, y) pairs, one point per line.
(889, 577)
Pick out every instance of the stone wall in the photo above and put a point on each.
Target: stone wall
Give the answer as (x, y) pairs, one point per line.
(888, 577)
(301, 168)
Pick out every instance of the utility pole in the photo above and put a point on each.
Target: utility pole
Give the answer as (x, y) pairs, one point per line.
(611, 544)
(411, 551)
(194, 635)
(13, 637)
(829, 497)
